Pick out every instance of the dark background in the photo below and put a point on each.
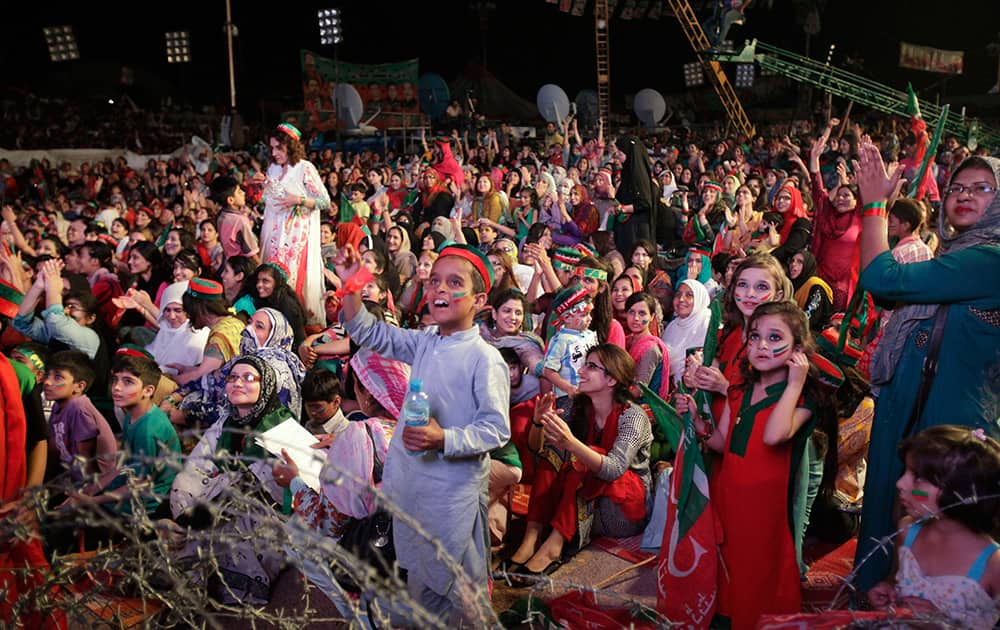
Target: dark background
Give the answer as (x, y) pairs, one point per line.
(527, 43)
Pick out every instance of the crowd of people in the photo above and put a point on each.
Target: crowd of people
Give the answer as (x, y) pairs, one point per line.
(31, 122)
(819, 306)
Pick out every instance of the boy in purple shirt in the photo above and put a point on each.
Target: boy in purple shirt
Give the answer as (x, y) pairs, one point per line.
(81, 438)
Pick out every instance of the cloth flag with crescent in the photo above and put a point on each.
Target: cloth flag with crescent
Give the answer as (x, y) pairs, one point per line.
(688, 565)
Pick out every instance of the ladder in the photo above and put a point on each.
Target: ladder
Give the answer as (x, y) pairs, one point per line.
(601, 25)
(850, 86)
(723, 88)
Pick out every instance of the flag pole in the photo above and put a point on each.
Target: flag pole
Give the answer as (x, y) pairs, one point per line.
(915, 185)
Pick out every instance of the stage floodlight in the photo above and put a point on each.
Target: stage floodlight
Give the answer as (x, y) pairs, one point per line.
(744, 75)
(330, 32)
(693, 74)
(178, 46)
(61, 42)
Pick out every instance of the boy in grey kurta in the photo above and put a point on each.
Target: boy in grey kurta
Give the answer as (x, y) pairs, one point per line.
(445, 488)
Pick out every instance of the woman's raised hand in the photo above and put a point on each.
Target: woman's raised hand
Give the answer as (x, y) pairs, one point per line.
(543, 405)
(875, 183)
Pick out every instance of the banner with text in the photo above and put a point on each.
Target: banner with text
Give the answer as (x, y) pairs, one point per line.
(930, 59)
(391, 87)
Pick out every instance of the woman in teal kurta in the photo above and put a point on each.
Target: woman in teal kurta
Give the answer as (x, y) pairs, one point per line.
(966, 278)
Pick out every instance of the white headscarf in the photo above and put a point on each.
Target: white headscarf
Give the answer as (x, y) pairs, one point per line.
(180, 345)
(687, 332)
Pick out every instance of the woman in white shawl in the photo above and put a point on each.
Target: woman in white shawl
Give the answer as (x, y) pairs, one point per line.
(176, 342)
(687, 329)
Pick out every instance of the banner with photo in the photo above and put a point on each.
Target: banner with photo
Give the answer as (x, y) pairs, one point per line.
(930, 59)
(391, 87)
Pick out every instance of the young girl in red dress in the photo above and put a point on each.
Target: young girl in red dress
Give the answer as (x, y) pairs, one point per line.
(761, 435)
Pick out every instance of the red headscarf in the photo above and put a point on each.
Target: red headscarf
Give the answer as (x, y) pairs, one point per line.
(448, 166)
(585, 215)
(427, 195)
(796, 211)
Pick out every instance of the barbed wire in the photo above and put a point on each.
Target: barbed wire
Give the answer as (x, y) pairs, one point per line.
(182, 569)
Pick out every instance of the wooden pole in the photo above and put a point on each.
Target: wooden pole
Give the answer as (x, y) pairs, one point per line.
(847, 118)
(631, 567)
(229, 44)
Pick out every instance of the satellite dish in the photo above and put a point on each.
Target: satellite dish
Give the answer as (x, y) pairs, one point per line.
(349, 105)
(553, 104)
(434, 94)
(587, 107)
(649, 107)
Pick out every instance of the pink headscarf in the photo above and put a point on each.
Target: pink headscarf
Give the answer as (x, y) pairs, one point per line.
(385, 379)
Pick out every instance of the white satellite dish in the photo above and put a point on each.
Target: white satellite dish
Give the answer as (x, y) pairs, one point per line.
(349, 105)
(649, 107)
(553, 104)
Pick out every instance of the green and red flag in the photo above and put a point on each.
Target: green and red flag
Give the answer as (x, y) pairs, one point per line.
(687, 569)
(925, 145)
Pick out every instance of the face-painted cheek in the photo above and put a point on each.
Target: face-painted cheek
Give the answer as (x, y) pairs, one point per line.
(777, 352)
(920, 495)
(459, 294)
(766, 297)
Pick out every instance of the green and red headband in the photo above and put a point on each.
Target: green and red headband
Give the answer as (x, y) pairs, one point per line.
(695, 250)
(10, 299)
(569, 298)
(567, 258)
(291, 131)
(716, 186)
(590, 272)
(132, 350)
(586, 250)
(280, 268)
(478, 259)
(829, 373)
(205, 289)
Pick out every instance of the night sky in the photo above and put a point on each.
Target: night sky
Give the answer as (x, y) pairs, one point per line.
(528, 43)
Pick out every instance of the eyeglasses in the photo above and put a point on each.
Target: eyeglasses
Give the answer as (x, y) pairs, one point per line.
(590, 365)
(979, 188)
(249, 379)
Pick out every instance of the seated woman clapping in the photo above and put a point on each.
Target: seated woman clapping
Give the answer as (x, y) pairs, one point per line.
(600, 460)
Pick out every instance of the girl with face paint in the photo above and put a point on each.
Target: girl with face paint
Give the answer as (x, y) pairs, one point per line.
(762, 435)
(652, 364)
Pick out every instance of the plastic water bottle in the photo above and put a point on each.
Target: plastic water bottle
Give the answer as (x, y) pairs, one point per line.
(416, 407)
